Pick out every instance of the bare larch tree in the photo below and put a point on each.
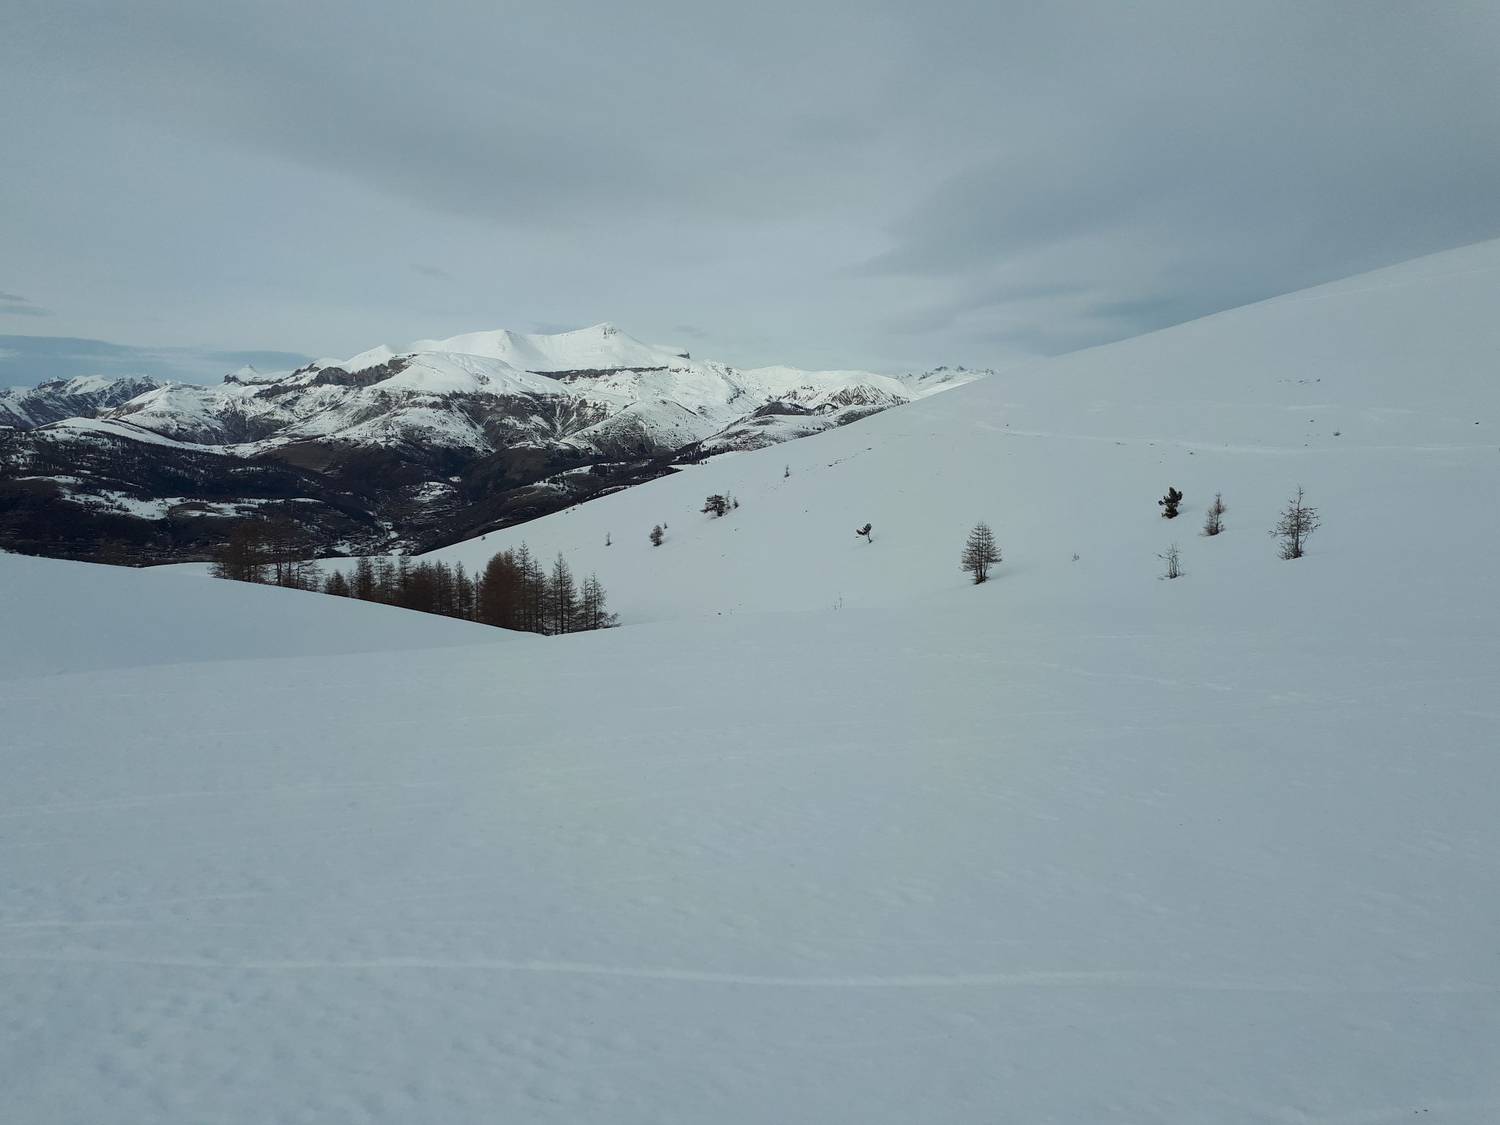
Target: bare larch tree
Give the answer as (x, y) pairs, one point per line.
(980, 552)
(1298, 521)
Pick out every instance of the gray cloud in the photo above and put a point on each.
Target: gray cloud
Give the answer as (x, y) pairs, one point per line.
(823, 181)
(28, 360)
(13, 304)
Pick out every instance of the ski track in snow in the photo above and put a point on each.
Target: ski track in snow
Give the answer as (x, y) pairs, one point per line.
(1113, 979)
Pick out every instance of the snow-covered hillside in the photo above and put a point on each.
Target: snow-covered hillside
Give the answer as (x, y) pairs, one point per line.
(1377, 394)
(826, 834)
(66, 617)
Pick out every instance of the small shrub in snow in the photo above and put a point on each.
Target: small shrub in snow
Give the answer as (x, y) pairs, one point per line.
(1213, 520)
(1168, 503)
(865, 531)
(656, 536)
(1173, 559)
(716, 505)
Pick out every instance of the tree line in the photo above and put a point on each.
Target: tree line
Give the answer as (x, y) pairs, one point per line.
(513, 591)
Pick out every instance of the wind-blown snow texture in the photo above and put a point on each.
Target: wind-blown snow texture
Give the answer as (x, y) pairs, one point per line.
(1077, 845)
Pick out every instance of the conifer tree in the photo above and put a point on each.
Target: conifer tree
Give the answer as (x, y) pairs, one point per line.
(980, 552)
(288, 557)
(1213, 519)
(363, 585)
(463, 593)
(1298, 521)
(499, 595)
(533, 591)
(385, 581)
(562, 598)
(592, 606)
(243, 557)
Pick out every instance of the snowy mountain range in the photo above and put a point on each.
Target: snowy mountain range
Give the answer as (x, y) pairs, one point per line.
(24, 408)
(406, 446)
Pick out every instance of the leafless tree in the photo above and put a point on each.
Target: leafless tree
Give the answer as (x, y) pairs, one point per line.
(980, 552)
(1298, 521)
(1213, 519)
(1173, 559)
(244, 557)
(562, 598)
(592, 606)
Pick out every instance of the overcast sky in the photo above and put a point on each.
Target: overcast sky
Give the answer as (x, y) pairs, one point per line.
(819, 183)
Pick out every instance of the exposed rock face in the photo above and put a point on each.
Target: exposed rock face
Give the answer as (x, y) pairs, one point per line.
(409, 449)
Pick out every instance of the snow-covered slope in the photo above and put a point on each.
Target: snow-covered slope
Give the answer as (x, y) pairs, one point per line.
(600, 346)
(1079, 845)
(65, 617)
(1377, 394)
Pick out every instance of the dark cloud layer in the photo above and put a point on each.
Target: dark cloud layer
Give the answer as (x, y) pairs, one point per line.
(823, 181)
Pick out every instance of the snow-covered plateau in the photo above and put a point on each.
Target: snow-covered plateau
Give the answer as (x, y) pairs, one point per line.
(825, 833)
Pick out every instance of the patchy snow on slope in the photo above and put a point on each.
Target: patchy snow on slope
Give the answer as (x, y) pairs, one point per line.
(160, 507)
(828, 834)
(85, 396)
(83, 429)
